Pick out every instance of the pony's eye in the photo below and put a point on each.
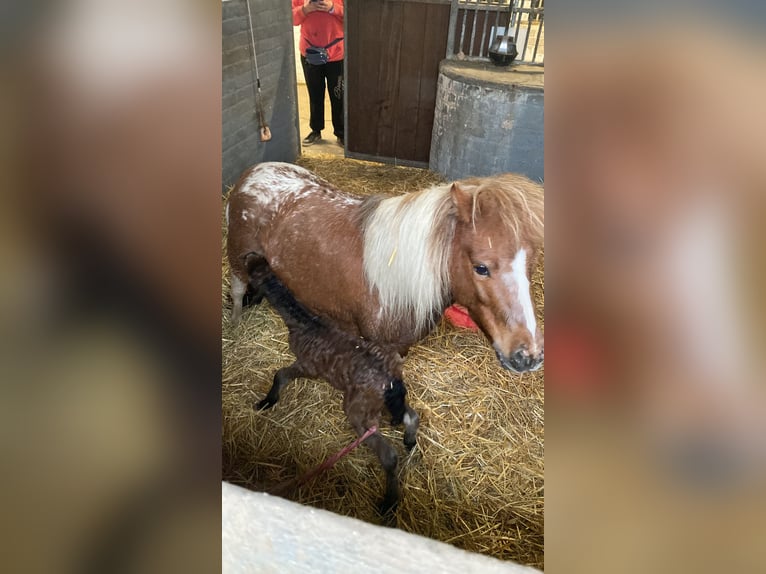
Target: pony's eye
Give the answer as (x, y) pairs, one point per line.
(481, 270)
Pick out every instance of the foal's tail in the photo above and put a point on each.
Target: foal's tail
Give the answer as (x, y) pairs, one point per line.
(394, 398)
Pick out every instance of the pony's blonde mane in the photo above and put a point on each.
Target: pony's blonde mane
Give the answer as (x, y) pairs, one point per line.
(406, 253)
(407, 240)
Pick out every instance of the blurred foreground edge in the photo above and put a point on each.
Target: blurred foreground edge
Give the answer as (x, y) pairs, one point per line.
(111, 222)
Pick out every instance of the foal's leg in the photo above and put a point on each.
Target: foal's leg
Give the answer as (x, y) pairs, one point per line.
(281, 378)
(394, 398)
(358, 404)
(388, 458)
(238, 289)
(411, 421)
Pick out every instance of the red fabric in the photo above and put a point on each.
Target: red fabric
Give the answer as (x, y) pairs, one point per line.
(575, 361)
(459, 317)
(320, 28)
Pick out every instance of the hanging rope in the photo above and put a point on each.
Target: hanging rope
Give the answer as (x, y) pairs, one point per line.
(265, 131)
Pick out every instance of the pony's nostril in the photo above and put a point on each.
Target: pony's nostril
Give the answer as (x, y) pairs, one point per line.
(521, 361)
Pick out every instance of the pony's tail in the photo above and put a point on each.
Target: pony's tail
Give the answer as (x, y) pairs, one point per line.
(394, 397)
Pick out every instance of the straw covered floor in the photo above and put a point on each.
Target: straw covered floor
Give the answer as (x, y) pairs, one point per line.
(475, 478)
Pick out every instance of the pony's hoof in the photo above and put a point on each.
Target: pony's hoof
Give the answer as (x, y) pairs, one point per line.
(266, 403)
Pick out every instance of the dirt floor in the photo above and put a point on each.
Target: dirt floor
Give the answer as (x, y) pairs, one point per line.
(327, 146)
(475, 478)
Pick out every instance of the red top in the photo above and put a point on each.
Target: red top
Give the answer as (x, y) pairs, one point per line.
(320, 28)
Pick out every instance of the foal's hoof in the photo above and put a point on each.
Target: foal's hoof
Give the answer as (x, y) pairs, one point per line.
(387, 509)
(390, 520)
(266, 403)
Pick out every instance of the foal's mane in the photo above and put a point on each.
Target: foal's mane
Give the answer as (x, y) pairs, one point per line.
(408, 238)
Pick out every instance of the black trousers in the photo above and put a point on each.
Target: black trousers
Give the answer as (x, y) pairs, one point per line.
(317, 77)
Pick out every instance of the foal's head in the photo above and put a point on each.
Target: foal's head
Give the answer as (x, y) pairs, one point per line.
(498, 236)
(257, 269)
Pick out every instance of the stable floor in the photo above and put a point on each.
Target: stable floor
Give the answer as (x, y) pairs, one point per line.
(475, 478)
(328, 145)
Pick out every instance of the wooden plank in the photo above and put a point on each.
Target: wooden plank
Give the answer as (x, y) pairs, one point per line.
(388, 160)
(372, 72)
(354, 130)
(361, 15)
(414, 31)
(443, 2)
(389, 36)
(434, 47)
(262, 533)
(393, 52)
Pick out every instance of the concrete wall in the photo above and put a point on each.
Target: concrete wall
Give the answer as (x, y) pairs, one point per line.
(263, 533)
(488, 120)
(298, 67)
(273, 30)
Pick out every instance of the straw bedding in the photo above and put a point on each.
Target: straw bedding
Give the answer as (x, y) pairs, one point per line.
(474, 480)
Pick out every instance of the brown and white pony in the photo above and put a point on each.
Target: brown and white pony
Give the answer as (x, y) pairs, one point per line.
(385, 268)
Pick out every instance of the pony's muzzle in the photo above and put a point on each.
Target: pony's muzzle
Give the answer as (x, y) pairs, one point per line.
(520, 361)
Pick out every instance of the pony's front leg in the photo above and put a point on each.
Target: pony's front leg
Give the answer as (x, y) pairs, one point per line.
(281, 378)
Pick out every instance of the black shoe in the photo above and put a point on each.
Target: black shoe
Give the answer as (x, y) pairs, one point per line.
(341, 142)
(312, 138)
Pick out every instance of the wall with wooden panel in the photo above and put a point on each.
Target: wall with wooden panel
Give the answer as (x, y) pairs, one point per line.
(273, 31)
(393, 50)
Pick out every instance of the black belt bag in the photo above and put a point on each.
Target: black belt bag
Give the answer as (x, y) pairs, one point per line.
(317, 56)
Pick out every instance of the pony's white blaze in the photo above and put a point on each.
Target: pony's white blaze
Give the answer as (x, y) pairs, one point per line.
(518, 282)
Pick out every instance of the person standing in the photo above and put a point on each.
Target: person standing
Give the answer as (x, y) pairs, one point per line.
(321, 23)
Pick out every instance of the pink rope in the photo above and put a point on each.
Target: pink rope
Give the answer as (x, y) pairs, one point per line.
(327, 464)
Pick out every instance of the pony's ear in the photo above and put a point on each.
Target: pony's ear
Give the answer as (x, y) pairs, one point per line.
(463, 202)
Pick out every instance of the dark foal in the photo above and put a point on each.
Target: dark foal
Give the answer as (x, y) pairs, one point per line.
(368, 376)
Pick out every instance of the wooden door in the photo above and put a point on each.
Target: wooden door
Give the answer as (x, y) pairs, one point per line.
(393, 50)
